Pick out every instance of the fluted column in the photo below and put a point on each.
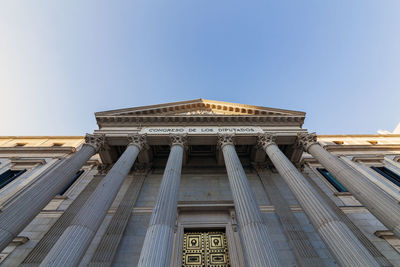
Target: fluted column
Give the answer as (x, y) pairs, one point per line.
(72, 244)
(157, 246)
(256, 240)
(377, 201)
(394, 166)
(15, 216)
(343, 244)
(374, 177)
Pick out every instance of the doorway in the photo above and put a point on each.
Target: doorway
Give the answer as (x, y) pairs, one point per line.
(205, 248)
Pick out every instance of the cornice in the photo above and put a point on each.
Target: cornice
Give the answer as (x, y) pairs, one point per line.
(36, 149)
(196, 104)
(368, 158)
(41, 137)
(378, 147)
(203, 119)
(356, 135)
(199, 112)
(27, 161)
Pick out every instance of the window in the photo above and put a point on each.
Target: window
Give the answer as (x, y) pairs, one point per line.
(332, 180)
(76, 176)
(388, 174)
(8, 176)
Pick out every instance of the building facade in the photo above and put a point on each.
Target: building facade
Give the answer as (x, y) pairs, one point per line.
(200, 183)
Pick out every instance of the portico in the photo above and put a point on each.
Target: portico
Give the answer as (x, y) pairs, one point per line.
(200, 141)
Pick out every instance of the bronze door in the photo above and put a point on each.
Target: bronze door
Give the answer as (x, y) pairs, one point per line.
(205, 248)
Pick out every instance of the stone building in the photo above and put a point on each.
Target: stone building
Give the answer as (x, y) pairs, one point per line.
(200, 183)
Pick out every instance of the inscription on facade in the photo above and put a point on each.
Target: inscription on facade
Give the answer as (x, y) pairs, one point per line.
(201, 130)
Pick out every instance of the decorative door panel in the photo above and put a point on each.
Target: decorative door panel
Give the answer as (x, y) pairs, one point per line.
(205, 248)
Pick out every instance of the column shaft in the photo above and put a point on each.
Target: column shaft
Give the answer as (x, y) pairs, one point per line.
(42, 248)
(344, 246)
(377, 201)
(256, 240)
(374, 177)
(393, 165)
(108, 246)
(15, 216)
(158, 243)
(72, 244)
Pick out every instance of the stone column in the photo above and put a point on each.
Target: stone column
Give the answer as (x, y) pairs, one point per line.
(374, 177)
(257, 243)
(158, 243)
(72, 244)
(376, 200)
(15, 216)
(343, 244)
(394, 166)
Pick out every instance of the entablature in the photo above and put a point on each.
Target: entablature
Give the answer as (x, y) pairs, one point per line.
(173, 120)
(201, 148)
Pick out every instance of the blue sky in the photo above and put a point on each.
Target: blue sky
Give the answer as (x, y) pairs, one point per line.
(61, 61)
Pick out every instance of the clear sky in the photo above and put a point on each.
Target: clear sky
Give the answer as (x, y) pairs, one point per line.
(61, 61)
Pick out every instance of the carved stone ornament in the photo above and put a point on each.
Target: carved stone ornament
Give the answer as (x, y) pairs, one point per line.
(138, 140)
(178, 139)
(306, 140)
(198, 112)
(97, 141)
(225, 139)
(265, 140)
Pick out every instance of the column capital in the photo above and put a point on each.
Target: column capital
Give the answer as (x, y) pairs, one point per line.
(266, 139)
(96, 141)
(226, 139)
(138, 140)
(178, 139)
(305, 140)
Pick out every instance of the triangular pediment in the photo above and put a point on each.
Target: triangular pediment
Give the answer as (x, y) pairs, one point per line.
(199, 107)
(199, 112)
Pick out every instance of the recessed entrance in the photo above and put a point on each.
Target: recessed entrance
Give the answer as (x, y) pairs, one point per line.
(205, 248)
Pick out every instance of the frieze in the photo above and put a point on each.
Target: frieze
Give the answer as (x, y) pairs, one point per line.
(201, 130)
(205, 119)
